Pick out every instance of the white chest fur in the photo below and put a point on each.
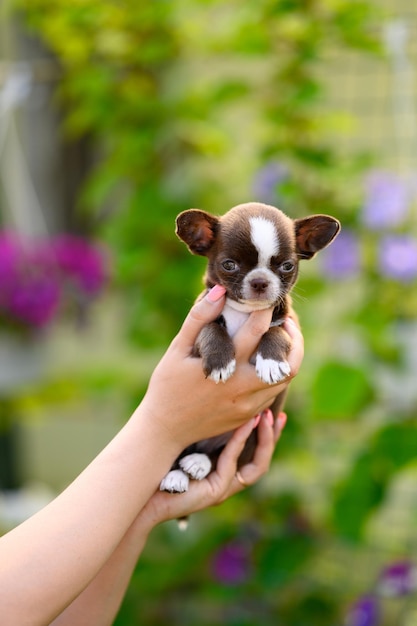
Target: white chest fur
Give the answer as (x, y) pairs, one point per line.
(234, 319)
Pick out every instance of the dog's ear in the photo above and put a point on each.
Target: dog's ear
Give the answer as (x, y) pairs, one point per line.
(314, 233)
(198, 229)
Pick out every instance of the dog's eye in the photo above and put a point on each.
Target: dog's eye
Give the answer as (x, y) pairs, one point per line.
(230, 266)
(286, 267)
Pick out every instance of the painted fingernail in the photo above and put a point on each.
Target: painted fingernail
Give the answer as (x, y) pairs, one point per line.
(269, 416)
(216, 293)
(257, 420)
(282, 420)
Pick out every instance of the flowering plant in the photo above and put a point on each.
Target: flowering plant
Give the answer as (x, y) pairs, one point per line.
(397, 580)
(386, 213)
(38, 278)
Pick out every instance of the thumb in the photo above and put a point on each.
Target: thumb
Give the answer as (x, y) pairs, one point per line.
(226, 464)
(204, 311)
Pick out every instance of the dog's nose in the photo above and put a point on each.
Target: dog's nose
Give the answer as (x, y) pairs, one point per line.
(259, 285)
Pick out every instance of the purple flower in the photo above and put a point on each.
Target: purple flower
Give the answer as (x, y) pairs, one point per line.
(33, 274)
(35, 301)
(9, 259)
(267, 180)
(398, 579)
(80, 261)
(387, 200)
(365, 612)
(231, 564)
(29, 288)
(398, 257)
(342, 259)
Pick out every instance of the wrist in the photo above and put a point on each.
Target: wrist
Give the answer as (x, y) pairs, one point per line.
(143, 525)
(156, 434)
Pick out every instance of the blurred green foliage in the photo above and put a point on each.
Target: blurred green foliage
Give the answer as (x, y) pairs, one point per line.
(388, 451)
(189, 104)
(157, 87)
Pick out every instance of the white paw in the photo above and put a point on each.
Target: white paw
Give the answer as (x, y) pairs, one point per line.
(271, 371)
(196, 465)
(221, 375)
(176, 481)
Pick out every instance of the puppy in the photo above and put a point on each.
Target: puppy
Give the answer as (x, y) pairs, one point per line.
(253, 251)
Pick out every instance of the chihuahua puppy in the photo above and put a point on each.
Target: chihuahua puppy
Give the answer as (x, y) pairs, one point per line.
(253, 251)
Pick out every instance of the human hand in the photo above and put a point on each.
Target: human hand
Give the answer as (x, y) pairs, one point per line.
(189, 407)
(225, 481)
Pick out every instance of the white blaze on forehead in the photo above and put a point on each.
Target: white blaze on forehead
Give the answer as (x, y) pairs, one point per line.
(265, 239)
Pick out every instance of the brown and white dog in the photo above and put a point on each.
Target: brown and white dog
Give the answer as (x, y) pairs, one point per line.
(253, 251)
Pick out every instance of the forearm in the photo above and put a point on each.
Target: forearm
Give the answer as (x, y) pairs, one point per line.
(52, 557)
(99, 603)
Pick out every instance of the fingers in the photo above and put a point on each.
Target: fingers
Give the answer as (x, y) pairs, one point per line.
(279, 426)
(209, 491)
(222, 483)
(249, 335)
(226, 465)
(269, 432)
(261, 461)
(204, 311)
(295, 357)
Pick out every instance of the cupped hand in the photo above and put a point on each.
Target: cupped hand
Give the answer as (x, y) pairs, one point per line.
(190, 407)
(222, 483)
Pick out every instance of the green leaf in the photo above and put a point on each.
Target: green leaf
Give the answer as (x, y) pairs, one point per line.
(364, 488)
(282, 558)
(358, 496)
(340, 391)
(230, 90)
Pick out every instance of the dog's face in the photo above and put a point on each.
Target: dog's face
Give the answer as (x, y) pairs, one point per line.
(254, 249)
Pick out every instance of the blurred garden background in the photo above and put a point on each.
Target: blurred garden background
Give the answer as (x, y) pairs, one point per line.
(116, 116)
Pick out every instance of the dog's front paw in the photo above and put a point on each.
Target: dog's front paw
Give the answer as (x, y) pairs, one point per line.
(222, 374)
(196, 465)
(271, 371)
(176, 481)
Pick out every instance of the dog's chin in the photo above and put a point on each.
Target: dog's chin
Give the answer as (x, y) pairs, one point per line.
(247, 306)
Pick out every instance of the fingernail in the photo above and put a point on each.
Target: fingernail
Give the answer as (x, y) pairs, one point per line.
(269, 416)
(289, 320)
(216, 293)
(282, 420)
(257, 420)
